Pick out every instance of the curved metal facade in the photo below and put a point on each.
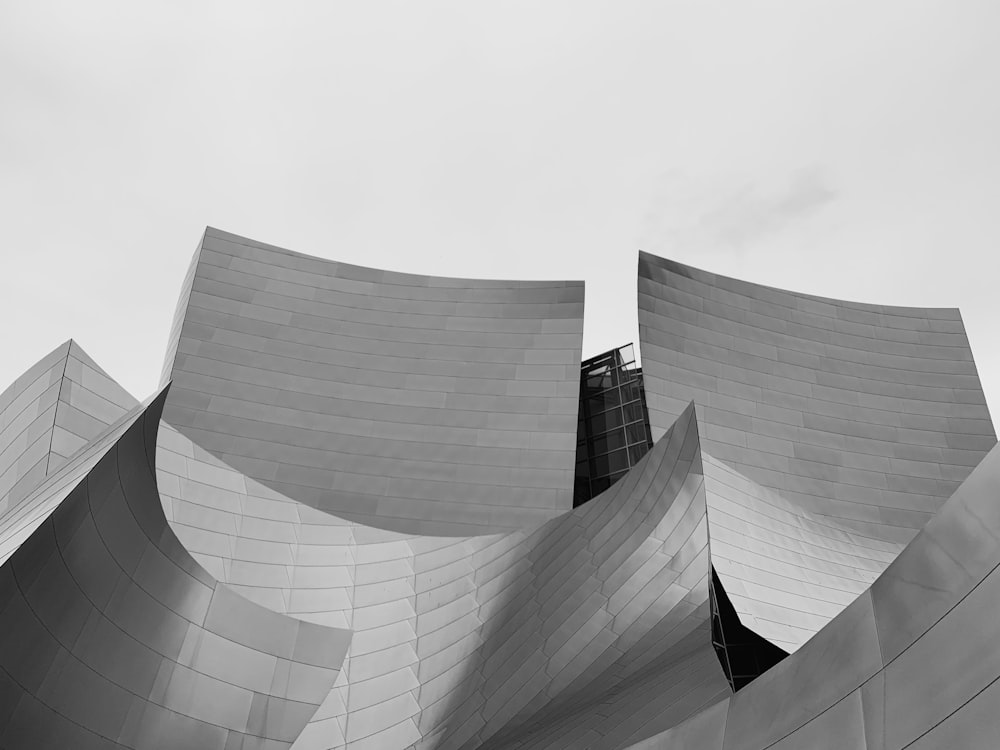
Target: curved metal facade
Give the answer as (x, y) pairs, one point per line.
(911, 663)
(416, 403)
(868, 414)
(486, 629)
(49, 413)
(115, 637)
(786, 571)
(235, 576)
(833, 431)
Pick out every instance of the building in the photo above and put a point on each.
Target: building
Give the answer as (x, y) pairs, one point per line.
(379, 510)
(612, 433)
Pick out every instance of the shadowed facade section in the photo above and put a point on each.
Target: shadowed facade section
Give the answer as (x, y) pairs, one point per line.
(744, 654)
(115, 638)
(420, 404)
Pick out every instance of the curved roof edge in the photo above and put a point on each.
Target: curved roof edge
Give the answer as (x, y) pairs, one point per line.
(421, 404)
(867, 414)
(400, 277)
(740, 285)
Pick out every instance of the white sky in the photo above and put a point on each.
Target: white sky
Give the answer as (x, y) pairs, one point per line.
(841, 148)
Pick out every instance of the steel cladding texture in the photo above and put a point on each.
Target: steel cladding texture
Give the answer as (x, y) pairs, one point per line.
(417, 403)
(58, 406)
(787, 571)
(833, 431)
(113, 637)
(456, 639)
(353, 528)
(911, 663)
(868, 414)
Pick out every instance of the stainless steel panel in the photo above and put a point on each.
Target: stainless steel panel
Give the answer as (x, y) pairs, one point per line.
(288, 351)
(110, 671)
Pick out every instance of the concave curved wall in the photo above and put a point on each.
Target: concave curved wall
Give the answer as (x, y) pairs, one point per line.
(787, 571)
(113, 637)
(868, 414)
(414, 403)
(458, 641)
(911, 663)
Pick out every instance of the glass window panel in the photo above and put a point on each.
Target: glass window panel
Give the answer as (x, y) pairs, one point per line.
(633, 412)
(608, 442)
(602, 466)
(636, 433)
(600, 380)
(630, 392)
(609, 463)
(617, 461)
(599, 485)
(609, 420)
(604, 400)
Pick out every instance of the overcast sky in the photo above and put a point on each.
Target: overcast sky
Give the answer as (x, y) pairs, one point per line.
(847, 149)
